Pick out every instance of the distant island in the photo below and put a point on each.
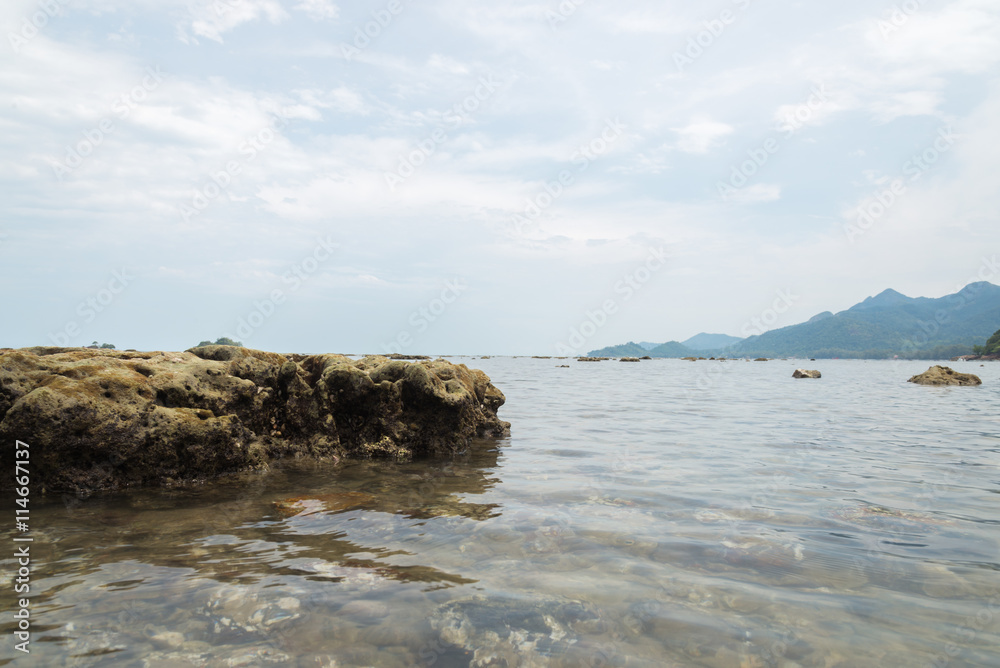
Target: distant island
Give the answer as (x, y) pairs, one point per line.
(885, 326)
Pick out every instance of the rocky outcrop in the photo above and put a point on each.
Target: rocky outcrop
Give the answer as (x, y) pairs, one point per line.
(102, 419)
(942, 375)
(977, 358)
(629, 359)
(806, 373)
(592, 359)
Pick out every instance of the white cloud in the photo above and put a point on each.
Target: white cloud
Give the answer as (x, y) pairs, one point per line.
(321, 10)
(213, 19)
(961, 36)
(755, 194)
(702, 136)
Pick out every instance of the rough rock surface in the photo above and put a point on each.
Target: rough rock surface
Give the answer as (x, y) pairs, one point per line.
(942, 375)
(806, 373)
(104, 419)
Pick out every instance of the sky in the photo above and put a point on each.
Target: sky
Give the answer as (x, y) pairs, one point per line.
(466, 177)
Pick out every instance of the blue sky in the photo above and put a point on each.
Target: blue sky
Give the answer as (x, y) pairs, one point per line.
(453, 177)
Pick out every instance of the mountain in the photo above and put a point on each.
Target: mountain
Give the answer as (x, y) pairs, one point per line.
(705, 341)
(672, 349)
(632, 349)
(889, 324)
(648, 345)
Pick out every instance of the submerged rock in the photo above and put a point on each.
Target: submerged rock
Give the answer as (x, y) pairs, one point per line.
(104, 419)
(806, 373)
(942, 375)
(500, 631)
(323, 503)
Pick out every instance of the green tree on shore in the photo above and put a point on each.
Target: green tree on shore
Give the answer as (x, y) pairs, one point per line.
(992, 346)
(221, 341)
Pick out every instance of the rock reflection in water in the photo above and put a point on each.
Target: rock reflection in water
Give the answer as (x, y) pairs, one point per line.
(183, 572)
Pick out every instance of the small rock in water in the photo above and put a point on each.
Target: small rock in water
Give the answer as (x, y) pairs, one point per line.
(289, 603)
(942, 375)
(170, 639)
(365, 611)
(806, 373)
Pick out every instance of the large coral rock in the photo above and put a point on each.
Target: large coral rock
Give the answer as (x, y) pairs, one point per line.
(100, 419)
(942, 375)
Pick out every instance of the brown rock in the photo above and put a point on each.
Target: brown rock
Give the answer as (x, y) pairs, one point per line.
(942, 375)
(104, 419)
(805, 373)
(338, 501)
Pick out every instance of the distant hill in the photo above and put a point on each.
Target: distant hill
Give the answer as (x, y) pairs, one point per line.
(672, 349)
(705, 341)
(883, 326)
(889, 324)
(632, 349)
(694, 346)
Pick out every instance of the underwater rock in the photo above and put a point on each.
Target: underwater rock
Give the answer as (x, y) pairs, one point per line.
(942, 375)
(328, 503)
(498, 631)
(105, 419)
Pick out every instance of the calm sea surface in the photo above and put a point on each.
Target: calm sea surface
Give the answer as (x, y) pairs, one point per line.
(666, 513)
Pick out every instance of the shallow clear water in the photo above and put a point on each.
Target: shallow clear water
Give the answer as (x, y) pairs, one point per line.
(666, 513)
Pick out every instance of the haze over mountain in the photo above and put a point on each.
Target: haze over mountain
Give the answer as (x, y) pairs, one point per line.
(881, 326)
(705, 341)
